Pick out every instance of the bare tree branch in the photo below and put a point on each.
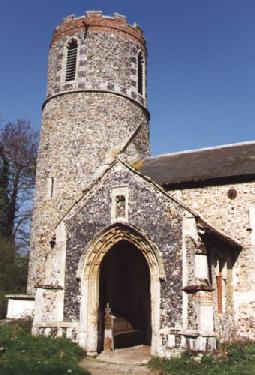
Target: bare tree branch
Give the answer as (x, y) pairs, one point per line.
(18, 145)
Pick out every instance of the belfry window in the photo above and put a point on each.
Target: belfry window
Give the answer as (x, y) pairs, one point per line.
(71, 59)
(140, 73)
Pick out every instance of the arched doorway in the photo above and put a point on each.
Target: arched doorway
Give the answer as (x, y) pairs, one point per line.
(124, 285)
(89, 274)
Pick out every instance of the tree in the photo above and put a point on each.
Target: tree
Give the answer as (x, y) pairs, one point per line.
(18, 147)
(4, 199)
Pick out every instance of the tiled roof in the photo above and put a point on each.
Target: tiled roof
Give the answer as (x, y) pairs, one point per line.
(200, 165)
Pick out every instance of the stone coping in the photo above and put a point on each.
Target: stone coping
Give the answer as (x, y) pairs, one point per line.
(195, 333)
(190, 289)
(20, 296)
(75, 91)
(56, 324)
(49, 286)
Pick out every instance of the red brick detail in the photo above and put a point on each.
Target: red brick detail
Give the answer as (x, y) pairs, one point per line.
(96, 23)
(219, 292)
(204, 298)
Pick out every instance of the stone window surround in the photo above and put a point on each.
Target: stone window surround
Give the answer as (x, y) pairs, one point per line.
(64, 61)
(119, 191)
(143, 93)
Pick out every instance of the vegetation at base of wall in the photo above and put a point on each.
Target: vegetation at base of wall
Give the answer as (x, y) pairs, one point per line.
(23, 354)
(234, 359)
(13, 272)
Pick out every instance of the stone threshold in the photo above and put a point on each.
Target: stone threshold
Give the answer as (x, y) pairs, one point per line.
(135, 355)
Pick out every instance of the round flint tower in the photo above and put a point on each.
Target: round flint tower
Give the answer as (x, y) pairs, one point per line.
(95, 109)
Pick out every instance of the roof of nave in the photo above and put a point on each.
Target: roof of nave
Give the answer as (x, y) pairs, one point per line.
(215, 163)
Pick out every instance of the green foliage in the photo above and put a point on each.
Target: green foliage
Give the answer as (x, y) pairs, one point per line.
(23, 354)
(236, 359)
(18, 149)
(13, 272)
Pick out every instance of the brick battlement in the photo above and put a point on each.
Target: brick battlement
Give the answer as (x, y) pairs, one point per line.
(96, 21)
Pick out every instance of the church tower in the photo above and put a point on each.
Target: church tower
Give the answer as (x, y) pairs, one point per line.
(96, 108)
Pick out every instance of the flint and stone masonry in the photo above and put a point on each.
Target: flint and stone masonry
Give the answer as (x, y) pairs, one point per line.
(86, 122)
(127, 248)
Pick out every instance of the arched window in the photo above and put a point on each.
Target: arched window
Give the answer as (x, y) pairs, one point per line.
(72, 48)
(140, 72)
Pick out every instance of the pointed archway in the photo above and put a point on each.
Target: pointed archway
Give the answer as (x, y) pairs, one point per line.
(124, 286)
(89, 274)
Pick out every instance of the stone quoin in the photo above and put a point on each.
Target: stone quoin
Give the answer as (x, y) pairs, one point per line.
(128, 248)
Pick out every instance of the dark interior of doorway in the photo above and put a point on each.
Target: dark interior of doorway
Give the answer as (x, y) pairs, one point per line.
(125, 284)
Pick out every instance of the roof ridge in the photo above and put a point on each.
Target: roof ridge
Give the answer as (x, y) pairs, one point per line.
(227, 145)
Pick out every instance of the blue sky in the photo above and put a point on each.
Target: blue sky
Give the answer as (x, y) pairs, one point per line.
(201, 75)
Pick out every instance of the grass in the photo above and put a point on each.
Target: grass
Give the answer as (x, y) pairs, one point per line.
(235, 359)
(23, 354)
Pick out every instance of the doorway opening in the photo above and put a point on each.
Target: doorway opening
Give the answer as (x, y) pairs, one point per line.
(124, 287)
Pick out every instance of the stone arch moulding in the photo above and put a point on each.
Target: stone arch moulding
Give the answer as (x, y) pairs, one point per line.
(88, 273)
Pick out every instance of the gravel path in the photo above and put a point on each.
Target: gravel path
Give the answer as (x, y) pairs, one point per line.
(96, 367)
(121, 361)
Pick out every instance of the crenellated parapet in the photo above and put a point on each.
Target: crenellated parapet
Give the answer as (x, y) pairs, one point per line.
(98, 22)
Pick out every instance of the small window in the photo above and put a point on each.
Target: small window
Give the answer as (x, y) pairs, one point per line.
(120, 206)
(51, 187)
(232, 193)
(140, 72)
(71, 60)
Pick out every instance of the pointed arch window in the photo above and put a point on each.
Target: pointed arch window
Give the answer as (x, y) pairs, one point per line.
(140, 72)
(71, 59)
